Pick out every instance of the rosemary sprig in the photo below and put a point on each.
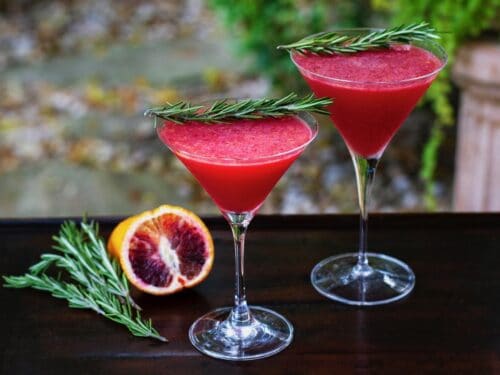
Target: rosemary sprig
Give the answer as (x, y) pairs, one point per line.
(328, 43)
(224, 110)
(97, 283)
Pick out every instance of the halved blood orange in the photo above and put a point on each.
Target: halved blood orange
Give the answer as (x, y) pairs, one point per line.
(163, 250)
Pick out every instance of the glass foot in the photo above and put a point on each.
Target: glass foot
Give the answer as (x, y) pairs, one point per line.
(385, 280)
(267, 334)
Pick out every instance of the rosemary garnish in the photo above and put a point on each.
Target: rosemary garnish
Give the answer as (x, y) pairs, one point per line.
(224, 110)
(97, 282)
(330, 42)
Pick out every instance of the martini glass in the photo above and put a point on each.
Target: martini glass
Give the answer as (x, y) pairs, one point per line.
(238, 164)
(373, 92)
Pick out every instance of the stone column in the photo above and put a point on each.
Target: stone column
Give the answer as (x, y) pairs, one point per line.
(477, 167)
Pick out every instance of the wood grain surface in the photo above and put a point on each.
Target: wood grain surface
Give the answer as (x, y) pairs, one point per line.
(449, 324)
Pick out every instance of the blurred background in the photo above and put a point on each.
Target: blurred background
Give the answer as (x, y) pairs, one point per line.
(77, 75)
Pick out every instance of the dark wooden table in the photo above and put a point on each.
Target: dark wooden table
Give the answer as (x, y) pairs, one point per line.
(449, 324)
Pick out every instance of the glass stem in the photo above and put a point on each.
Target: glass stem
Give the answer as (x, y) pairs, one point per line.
(365, 172)
(240, 314)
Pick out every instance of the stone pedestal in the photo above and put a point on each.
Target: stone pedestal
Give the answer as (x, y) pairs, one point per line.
(477, 167)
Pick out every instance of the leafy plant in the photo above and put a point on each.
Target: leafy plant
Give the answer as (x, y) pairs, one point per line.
(457, 20)
(260, 25)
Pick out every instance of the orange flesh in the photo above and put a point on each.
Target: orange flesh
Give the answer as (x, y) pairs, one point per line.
(166, 246)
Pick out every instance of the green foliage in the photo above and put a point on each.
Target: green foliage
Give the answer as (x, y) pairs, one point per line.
(260, 25)
(457, 20)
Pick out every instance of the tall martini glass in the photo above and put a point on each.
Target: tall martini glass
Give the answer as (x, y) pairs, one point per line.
(374, 92)
(238, 164)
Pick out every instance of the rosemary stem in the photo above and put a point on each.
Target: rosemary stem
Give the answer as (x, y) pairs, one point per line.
(86, 277)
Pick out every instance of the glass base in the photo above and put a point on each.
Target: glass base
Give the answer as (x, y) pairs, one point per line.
(385, 280)
(267, 334)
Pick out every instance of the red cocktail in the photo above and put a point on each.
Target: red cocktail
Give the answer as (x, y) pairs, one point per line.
(238, 162)
(373, 92)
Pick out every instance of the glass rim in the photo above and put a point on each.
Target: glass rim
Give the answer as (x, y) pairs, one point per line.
(304, 116)
(443, 59)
